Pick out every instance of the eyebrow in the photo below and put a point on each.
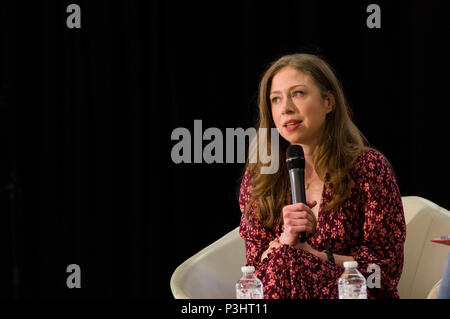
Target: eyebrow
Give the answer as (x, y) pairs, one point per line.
(289, 88)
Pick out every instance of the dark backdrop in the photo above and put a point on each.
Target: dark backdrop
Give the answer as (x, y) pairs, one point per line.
(87, 114)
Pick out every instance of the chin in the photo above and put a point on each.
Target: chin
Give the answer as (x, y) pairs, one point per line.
(293, 139)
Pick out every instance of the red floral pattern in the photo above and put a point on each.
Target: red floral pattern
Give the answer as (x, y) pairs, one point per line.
(369, 225)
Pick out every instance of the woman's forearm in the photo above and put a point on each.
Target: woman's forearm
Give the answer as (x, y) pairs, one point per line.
(338, 259)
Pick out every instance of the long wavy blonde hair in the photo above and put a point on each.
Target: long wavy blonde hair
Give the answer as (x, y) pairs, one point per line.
(339, 145)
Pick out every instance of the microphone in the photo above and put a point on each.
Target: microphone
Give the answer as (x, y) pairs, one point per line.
(295, 160)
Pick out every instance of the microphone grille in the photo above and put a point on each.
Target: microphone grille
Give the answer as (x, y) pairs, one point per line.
(295, 158)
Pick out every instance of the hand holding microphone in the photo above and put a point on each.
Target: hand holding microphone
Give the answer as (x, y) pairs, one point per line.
(298, 217)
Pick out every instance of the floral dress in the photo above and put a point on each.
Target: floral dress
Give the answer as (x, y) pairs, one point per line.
(369, 226)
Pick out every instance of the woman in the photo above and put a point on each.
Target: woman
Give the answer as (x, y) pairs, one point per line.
(354, 209)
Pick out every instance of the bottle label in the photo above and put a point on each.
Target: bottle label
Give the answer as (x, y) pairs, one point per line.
(249, 294)
(353, 292)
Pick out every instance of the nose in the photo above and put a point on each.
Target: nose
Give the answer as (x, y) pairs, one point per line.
(288, 105)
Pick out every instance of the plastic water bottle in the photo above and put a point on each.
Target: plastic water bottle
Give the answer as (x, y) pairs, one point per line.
(352, 284)
(249, 286)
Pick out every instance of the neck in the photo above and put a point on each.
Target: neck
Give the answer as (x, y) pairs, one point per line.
(308, 150)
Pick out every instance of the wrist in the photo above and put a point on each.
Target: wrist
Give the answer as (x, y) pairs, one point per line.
(306, 247)
(289, 239)
(329, 256)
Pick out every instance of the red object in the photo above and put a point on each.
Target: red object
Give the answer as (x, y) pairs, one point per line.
(292, 127)
(442, 240)
(290, 121)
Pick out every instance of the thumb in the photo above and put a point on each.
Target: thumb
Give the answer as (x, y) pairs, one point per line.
(311, 204)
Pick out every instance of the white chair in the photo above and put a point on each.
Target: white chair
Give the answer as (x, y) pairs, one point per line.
(424, 260)
(213, 272)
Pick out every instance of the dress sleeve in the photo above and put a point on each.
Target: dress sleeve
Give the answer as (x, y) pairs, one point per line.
(384, 228)
(256, 237)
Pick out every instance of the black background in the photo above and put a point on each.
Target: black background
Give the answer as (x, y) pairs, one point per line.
(87, 114)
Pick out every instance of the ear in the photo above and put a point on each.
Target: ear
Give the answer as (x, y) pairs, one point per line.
(330, 102)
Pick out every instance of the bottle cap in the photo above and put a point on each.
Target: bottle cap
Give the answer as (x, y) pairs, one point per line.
(247, 269)
(350, 264)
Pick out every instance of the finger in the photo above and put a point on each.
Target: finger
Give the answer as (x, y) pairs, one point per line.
(310, 217)
(275, 246)
(298, 210)
(303, 228)
(311, 204)
(300, 225)
(274, 242)
(297, 222)
(294, 207)
(295, 230)
(301, 206)
(303, 214)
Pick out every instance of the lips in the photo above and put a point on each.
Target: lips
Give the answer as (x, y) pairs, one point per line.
(291, 122)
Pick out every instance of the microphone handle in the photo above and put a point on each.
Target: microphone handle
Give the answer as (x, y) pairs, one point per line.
(297, 177)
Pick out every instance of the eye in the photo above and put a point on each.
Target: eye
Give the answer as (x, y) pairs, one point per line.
(298, 93)
(275, 100)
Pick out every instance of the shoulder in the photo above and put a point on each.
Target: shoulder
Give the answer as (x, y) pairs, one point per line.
(370, 159)
(245, 189)
(247, 180)
(372, 165)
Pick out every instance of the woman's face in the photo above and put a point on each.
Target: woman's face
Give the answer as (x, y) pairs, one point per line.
(296, 99)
